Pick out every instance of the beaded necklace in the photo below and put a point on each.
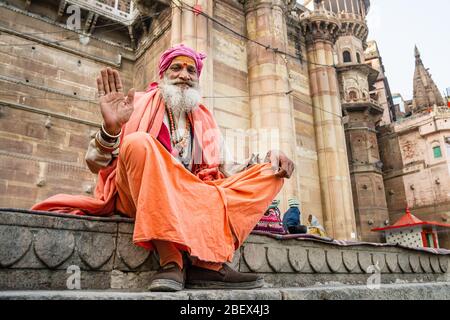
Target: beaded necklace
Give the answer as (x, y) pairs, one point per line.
(178, 143)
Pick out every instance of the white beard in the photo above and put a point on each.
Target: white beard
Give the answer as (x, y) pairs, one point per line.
(180, 99)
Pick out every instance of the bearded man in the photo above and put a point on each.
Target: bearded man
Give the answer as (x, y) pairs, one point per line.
(159, 160)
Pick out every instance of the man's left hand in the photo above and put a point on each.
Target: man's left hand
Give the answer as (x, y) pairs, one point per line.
(281, 164)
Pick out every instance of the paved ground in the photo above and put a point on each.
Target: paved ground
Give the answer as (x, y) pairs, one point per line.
(412, 291)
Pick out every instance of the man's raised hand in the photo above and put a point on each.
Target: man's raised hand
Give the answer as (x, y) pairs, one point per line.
(116, 108)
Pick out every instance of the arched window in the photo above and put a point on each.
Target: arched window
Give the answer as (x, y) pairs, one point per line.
(347, 56)
(358, 57)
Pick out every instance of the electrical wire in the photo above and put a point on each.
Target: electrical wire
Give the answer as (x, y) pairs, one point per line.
(289, 93)
(267, 47)
(69, 30)
(77, 37)
(183, 7)
(122, 26)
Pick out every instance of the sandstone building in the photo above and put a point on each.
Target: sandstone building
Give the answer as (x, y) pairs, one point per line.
(301, 78)
(415, 151)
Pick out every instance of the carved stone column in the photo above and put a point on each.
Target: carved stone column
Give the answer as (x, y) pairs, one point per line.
(271, 114)
(195, 31)
(320, 29)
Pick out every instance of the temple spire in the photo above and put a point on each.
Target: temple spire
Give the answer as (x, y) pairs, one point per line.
(416, 52)
(426, 93)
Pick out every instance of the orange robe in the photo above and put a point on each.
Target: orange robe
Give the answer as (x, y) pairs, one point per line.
(199, 212)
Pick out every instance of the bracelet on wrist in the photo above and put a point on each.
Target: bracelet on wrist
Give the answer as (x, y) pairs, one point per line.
(105, 148)
(107, 136)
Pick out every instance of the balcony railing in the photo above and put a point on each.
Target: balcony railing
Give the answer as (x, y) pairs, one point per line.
(351, 16)
(361, 100)
(318, 12)
(120, 10)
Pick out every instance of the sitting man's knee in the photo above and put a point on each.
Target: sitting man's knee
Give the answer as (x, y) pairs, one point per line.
(135, 142)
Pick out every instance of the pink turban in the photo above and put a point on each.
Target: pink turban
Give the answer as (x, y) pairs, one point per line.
(180, 50)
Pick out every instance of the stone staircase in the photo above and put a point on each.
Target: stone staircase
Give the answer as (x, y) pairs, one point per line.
(411, 291)
(43, 255)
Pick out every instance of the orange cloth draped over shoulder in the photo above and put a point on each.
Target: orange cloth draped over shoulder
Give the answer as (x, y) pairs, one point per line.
(199, 212)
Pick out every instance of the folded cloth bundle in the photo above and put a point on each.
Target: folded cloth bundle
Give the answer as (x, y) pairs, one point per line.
(271, 221)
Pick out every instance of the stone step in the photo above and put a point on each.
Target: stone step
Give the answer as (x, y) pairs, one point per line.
(49, 251)
(410, 291)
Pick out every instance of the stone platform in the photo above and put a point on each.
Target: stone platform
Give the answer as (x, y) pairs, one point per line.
(39, 251)
(410, 291)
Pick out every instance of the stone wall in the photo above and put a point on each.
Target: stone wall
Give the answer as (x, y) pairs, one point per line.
(145, 68)
(43, 250)
(49, 113)
(230, 70)
(413, 176)
(42, 79)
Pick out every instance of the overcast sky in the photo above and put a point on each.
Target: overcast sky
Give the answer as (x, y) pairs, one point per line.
(397, 25)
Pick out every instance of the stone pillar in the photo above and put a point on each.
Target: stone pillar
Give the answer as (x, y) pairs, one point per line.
(365, 170)
(195, 31)
(363, 114)
(320, 29)
(176, 25)
(271, 114)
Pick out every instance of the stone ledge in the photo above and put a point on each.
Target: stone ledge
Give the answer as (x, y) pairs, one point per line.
(38, 249)
(422, 291)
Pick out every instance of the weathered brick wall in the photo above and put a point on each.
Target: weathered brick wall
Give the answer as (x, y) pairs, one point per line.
(41, 155)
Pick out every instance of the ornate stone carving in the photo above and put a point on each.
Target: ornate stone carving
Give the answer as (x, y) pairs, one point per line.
(297, 258)
(250, 5)
(255, 256)
(403, 262)
(319, 25)
(392, 262)
(96, 249)
(443, 262)
(285, 261)
(364, 260)
(334, 260)
(277, 258)
(425, 263)
(434, 262)
(350, 260)
(131, 255)
(352, 25)
(414, 262)
(15, 243)
(54, 247)
(379, 260)
(316, 258)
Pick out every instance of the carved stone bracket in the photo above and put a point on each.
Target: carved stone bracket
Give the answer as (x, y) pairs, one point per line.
(320, 25)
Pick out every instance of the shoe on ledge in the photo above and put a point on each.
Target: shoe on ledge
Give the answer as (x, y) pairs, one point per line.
(169, 278)
(225, 278)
